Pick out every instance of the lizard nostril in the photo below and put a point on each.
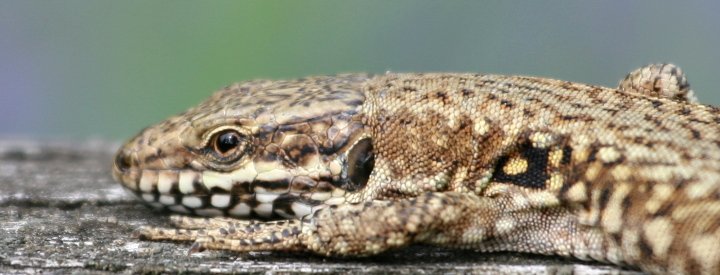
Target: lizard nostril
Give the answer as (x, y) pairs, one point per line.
(122, 161)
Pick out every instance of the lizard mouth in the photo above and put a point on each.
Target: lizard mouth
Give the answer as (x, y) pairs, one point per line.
(236, 194)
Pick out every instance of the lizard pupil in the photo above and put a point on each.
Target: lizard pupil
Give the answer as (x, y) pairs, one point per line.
(227, 141)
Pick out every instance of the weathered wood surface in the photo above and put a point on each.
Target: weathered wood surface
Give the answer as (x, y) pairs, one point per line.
(61, 212)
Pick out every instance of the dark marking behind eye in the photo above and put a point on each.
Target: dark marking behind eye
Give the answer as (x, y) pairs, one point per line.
(361, 161)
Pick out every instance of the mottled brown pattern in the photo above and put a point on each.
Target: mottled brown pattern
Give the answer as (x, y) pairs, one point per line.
(493, 163)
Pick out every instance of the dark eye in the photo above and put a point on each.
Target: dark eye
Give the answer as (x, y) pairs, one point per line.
(226, 143)
(361, 161)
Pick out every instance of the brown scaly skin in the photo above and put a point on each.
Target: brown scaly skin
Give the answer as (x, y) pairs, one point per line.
(355, 165)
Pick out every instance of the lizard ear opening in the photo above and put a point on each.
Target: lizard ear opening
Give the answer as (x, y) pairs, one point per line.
(361, 161)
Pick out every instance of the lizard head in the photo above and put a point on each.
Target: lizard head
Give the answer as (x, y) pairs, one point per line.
(259, 148)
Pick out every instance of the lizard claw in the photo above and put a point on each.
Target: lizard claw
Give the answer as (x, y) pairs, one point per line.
(196, 248)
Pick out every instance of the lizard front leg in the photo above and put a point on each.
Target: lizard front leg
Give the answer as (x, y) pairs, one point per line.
(346, 230)
(448, 219)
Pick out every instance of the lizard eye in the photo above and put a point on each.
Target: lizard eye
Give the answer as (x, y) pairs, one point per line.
(361, 161)
(226, 141)
(227, 145)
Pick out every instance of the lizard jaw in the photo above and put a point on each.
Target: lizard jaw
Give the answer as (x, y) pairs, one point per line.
(242, 193)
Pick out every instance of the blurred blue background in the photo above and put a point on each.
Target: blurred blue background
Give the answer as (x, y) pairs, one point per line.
(80, 69)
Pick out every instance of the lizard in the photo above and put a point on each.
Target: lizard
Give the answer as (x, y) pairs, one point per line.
(354, 165)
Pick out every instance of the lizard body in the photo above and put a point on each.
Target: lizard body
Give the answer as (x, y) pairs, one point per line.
(354, 165)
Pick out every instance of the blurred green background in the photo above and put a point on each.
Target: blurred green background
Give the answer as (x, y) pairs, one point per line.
(80, 69)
